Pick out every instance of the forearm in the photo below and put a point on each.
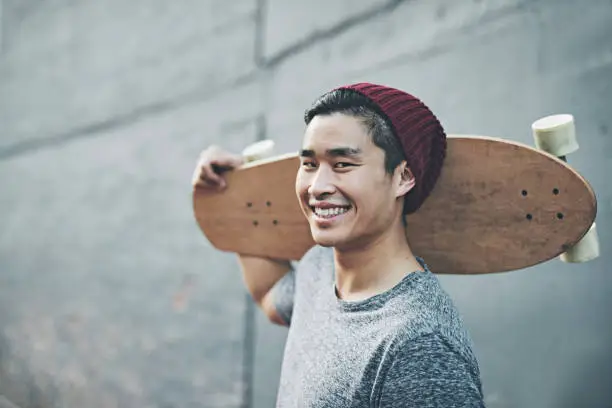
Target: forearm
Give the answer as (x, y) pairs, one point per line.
(261, 274)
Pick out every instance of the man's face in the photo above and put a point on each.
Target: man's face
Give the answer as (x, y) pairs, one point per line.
(343, 189)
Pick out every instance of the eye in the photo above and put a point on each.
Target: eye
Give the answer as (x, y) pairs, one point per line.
(308, 164)
(343, 165)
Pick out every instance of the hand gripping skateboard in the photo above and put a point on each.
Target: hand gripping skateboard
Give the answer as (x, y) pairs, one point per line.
(498, 206)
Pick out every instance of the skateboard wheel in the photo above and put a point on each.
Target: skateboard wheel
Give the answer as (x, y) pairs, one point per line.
(259, 150)
(585, 250)
(555, 134)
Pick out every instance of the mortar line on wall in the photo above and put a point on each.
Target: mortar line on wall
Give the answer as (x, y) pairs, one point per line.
(96, 129)
(248, 353)
(6, 403)
(260, 22)
(454, 37)
(249, 341)
(1, 27)
(329, 33)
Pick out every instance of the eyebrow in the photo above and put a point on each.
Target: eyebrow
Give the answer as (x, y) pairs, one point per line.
(335, 152)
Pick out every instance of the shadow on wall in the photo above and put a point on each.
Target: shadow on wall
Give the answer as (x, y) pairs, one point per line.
(25, 386)
(19, 385)
(596, 377)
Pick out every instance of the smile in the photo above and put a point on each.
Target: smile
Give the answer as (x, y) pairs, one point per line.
(329, 212)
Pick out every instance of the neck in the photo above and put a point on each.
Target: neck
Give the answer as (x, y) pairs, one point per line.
(375, 267)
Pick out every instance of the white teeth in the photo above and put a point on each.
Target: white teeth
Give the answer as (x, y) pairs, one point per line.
(330, 212)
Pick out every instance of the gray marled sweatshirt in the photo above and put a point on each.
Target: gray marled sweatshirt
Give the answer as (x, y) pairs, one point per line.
(406, 347)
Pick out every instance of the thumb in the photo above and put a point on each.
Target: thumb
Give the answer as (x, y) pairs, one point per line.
(236, 160)
(231, 161)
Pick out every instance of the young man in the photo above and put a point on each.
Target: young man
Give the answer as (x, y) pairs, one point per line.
(369, 324)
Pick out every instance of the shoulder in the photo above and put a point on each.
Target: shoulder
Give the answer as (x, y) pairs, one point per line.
(434, 348)
(315, 259)
(427, 314)
(423, 306)
(435, 305)
(428, 368)
(317, 253)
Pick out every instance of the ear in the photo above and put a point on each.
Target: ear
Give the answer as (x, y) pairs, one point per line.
(405, 179)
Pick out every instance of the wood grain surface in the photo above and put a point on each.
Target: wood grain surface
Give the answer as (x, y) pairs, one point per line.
(498, 206)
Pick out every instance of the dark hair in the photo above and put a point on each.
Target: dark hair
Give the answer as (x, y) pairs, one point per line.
(350, 102)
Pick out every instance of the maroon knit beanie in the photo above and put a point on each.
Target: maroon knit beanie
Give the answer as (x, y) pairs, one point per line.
(420, 133)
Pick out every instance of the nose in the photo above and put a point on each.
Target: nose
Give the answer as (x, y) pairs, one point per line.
(322, 183)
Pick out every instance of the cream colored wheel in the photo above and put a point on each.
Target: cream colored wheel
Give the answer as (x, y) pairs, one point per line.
(259, 150)
(555, 134)
(585, 250)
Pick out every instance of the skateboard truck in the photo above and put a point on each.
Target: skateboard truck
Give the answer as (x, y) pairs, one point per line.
(556, 135)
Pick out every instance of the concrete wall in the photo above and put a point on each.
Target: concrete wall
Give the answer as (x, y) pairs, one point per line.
(109, 294)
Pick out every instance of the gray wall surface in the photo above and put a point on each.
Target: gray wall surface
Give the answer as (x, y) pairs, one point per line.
(109, 294)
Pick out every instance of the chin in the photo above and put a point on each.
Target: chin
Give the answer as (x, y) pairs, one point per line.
(328, 238)
(333, 232)
(324, 241)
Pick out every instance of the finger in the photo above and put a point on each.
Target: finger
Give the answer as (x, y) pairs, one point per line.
(199, 174)
(220, 169)
(208, 174)
(208, 185)
(228, 161)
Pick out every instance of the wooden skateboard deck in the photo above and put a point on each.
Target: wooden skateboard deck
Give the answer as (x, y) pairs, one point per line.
(498, 206)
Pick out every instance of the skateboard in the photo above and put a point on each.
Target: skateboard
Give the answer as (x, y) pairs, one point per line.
(498, 206)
